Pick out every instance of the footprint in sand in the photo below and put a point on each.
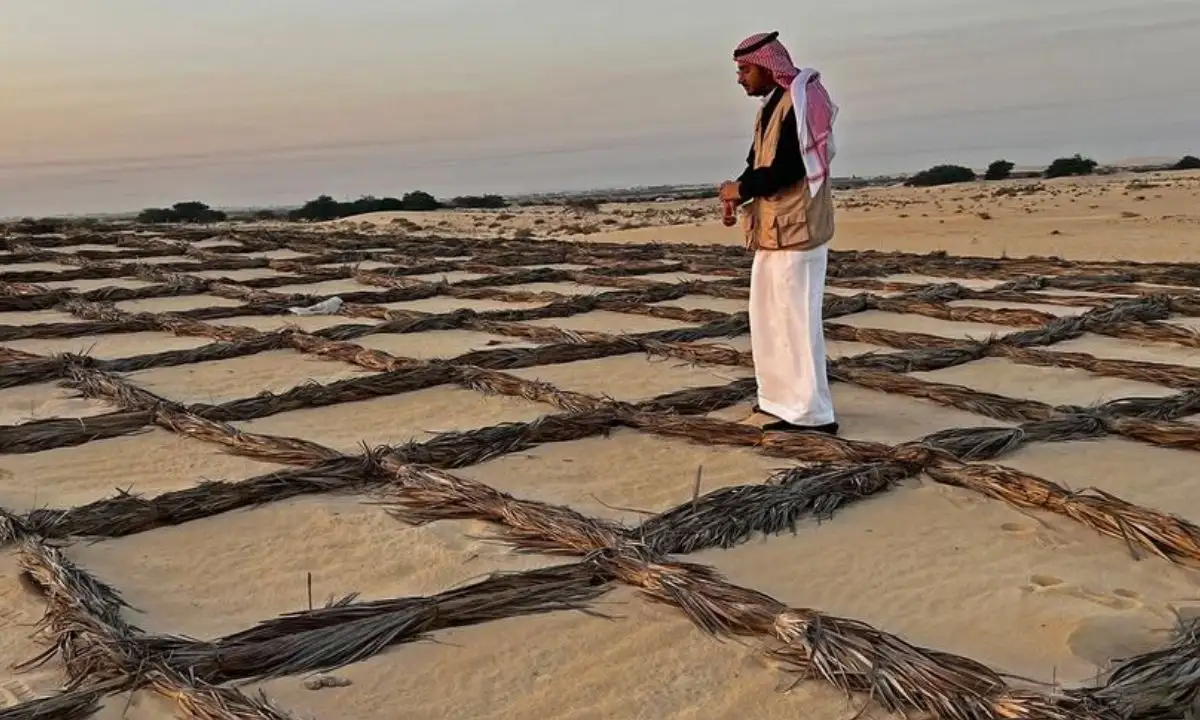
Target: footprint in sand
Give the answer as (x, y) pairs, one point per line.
(1043, 537)
(1013, 528)
(1042, 583)
(1105, 639)
(1118, 599)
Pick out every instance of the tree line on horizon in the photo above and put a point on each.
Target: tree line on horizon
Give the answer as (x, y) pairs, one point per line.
(1073, 166)
(325, 207)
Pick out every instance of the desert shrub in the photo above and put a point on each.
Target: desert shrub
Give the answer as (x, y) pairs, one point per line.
(370, 203)
(1070, 166)
(1187, 162)
(181, 212)
(42, 226)
(941, 175)
(998, 170)
(420, 201)
(480, 202)
(584, 204)
(325, 207)
(266, 215)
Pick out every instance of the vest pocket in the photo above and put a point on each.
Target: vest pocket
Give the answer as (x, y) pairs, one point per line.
(789, 224)
(790, 230)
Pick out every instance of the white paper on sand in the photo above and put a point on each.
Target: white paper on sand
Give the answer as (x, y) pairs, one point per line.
(325, 307)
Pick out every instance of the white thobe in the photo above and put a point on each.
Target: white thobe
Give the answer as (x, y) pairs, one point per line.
(787, 338)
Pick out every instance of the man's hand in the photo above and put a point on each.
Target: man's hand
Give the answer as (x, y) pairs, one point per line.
(728, 213)
(730, 191)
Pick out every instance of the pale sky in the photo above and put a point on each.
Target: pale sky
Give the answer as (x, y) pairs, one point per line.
(113, 105)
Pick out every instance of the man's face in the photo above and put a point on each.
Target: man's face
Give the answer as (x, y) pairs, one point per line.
(755, 80)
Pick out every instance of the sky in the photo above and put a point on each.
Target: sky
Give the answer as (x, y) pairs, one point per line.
(124, 104)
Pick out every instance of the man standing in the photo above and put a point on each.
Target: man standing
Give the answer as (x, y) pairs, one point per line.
(787, 215)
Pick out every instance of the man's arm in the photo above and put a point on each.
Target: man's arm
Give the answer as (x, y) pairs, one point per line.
(749, 164)
(787, 168)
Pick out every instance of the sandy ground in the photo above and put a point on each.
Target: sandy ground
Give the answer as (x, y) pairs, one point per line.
(1103, 217)
(1036, 595)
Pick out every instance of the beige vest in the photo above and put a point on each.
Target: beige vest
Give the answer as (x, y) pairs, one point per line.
(791, 219)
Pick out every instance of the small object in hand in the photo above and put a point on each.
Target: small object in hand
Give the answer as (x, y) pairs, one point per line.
(728, 213)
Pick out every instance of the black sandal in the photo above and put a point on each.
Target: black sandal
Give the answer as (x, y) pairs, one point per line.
(781, 426)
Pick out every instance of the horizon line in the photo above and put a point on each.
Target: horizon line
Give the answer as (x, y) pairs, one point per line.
(1148, 164)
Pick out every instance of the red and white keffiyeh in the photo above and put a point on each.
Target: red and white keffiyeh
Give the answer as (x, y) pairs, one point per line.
(815, 122)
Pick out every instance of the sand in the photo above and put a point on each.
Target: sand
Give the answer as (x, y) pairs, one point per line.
(236, 275)
(308, 323)
(36, 317)
(612, 322)
(148, 463)
(948, 570)
(88, 285)
(707, 302)
(445, 303)
(568, 665)
(564, 288)
(107, 347)
(20, 612)
(168, 260)
(327, 287)
(906, 322)
(641, 378)
(397, 419)
(180, 303)
(1033, 594)
(220, 381)
(86, 247)
(281, 254)
(438, 344)
(656, 473)
(1056, 386)
(1121, 349)
(348, 547)
(41, 401)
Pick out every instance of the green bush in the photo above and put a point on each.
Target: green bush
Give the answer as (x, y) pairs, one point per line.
(420, 201)
(941, 175)
(479, 202)
(1187, 162)
(181, 212)
(1070, 167)
(325, 207)
(999, 170)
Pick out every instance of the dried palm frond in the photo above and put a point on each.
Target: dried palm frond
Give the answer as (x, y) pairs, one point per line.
(1159, 685)
(204, 701)
(329, 638)
(419, 495)
(127, 514)
(76, 705)
(39, 435)
(731, 515)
